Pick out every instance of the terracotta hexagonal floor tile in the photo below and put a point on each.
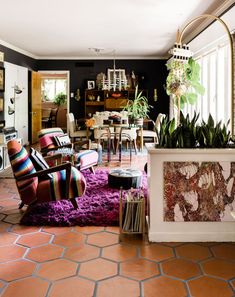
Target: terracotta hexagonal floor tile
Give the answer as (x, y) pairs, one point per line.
(181, 268)
(193, 252)
(4, 226)
(172, 244)
(4, 195)
(233, 284)
(45, 253)
(98, 269)
(57, 269)
(221, 268)
(139, 269)
(1, 284)
(224, 251)
(34, 239)
(7, 238)
(83, 252)
(69, 239)
(2, 216)
(136, 240)
(113, 229)
(13, 218)
(102, 239)
(89, 229)
(164, 286)
(11, 252)
(72, 287)
(27, 287)
(17, 269)
(20, 229)
(207, 243)
(117, 287)
(156, 252)
(9, 204)
(56, 230)
(119, 252)
(209, 287)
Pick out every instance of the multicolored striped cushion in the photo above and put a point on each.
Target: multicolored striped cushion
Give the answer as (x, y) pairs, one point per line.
(46, 137)
(22, 165)
(86, 159)
(56, 187)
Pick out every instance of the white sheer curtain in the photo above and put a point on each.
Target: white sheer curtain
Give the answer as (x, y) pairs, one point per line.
(215, 69)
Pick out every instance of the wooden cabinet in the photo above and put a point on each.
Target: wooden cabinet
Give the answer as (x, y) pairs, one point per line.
(100, 100)
(94, 101)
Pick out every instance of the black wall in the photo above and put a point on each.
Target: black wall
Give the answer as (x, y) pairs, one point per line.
(151, 74)
(17, 58)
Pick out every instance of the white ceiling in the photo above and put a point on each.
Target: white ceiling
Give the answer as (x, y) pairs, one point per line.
(68, 28)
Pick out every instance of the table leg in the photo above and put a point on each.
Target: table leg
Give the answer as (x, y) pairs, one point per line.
(141, 139)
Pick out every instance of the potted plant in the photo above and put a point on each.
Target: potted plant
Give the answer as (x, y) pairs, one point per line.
(60, 99)
(138, 108)
(189, 134)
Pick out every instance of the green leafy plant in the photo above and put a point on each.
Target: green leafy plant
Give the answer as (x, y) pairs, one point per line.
(139, 107)
(189, 134)
(213, 135)
(183, 81)
(167, 134)
(60, 99)
(187, 131)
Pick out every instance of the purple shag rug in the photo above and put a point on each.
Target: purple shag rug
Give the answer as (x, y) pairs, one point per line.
(98, 207)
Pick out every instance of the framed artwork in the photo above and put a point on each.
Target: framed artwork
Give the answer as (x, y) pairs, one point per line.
(2, 79)
(90, 84)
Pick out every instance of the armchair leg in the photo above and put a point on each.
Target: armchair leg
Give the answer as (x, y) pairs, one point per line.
(92, 169)
(74, 202)
(21, 205)
(135, 146)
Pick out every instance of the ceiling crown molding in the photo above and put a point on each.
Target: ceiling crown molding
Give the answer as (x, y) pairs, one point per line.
(17, 49)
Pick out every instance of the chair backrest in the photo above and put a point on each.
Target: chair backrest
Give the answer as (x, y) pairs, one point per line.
(102, 133)
(22, 165)
(71, 123)
(46, 113)
(46, 137)
(53, 116)
(131, 133)
(159, 119)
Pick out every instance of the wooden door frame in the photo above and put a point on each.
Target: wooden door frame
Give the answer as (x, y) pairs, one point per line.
(68, 84)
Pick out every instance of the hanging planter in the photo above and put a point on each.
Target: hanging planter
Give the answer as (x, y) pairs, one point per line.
(183, 82)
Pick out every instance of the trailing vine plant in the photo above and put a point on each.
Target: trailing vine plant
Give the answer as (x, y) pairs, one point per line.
(183, 82)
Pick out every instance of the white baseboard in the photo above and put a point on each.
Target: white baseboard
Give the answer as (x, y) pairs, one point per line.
(192, 237)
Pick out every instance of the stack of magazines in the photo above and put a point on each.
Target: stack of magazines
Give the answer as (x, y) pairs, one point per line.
(133, 212)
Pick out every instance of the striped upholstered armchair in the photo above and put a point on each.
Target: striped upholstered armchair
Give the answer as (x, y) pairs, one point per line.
(54, 140)
(37, 182)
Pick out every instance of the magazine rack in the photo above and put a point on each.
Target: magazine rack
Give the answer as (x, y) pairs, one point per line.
(132, 214)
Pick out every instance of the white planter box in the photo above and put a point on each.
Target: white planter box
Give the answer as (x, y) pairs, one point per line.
(160, 230)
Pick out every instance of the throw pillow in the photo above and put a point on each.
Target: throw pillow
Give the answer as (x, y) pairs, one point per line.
(39, 163)
(62, 140)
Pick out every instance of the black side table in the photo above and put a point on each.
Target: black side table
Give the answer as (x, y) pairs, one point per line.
(125, 178)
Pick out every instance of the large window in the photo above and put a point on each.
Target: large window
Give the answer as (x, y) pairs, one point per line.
(215, 77)
(51, 86)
